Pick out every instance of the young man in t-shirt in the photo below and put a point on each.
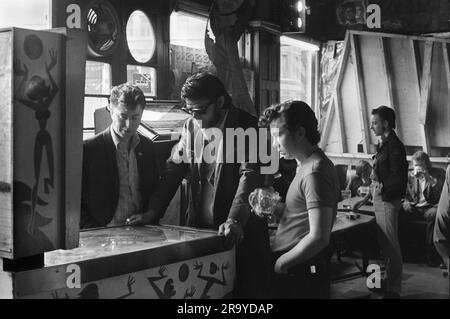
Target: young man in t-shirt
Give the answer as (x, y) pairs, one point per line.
(299, 249)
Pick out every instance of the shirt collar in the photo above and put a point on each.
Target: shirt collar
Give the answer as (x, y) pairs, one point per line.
(118, 140)
(390, 137)
(220, 125)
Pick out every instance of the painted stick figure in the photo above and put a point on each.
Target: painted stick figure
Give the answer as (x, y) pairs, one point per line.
(169, 290)
(39, 98)
(189, 293)
(210, 281)
(91, 291)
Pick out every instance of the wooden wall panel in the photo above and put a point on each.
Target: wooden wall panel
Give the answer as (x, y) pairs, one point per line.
(439, 111)
(375, 77)
(408, 105)
(350, 108)
(411, 74)
(333, 143)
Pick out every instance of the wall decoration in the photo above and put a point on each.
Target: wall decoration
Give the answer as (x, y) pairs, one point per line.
(351, 12)
(104, 28)
(38, 96)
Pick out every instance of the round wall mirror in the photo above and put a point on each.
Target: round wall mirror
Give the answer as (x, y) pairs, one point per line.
(140, 37)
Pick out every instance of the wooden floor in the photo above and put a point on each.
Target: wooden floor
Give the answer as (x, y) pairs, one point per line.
(419, 282)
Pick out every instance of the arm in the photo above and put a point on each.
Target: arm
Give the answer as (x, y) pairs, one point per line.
(320, 223)
(48, 68)
(240, 209)
(409, 196)
(361, 202)
(397, 169)
(86, 220)
(21, 87)
(249, 180)
(170, 179)
(435, 180)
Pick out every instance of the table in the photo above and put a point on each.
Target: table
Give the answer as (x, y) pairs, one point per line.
(343, 226)
(365, 209)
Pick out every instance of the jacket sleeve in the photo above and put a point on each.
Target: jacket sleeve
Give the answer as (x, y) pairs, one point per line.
(248, 181)
(250, 178)
(398, 169)
(170, 178)
(86, 220)
(435, 191)
(409, 196)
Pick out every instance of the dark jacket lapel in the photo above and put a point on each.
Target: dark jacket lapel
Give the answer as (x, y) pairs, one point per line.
(110, 158)
(231, 122)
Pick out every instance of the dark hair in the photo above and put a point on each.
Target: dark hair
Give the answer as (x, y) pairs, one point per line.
(422, 158)
(386, 114)
(205, 85)
(361, 167)
(130, 95)
(295, 114)
(348, 5)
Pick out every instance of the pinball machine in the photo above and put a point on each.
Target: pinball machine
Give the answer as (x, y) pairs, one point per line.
(43, 252)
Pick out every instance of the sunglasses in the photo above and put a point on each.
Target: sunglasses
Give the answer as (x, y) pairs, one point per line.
(197, 111)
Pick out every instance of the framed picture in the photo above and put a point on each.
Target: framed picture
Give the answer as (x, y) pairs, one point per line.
(351, 12)
(330, 49)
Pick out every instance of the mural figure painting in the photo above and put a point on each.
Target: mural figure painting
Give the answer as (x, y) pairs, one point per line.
(38, 96)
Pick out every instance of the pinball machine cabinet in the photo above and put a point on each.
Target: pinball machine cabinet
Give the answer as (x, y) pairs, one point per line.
(41, 117)
(148, 262)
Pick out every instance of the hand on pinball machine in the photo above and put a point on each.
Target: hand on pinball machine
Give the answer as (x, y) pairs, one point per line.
(233, 232)
(150, 217)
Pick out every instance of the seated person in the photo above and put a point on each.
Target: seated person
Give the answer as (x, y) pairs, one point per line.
(299, 251)
(361, 179)
(119, 166)
(422, 196)
(442, 225)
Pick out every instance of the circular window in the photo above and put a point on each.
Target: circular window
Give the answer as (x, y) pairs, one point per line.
(103, 26)
(140, 37)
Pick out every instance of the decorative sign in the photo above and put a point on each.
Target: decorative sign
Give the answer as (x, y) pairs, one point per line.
(351, 12)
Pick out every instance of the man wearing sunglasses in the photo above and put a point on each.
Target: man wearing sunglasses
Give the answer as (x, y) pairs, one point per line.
(218, 190)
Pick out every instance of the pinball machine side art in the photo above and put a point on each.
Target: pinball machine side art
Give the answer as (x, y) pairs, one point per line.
(32, 82)
(208, 277)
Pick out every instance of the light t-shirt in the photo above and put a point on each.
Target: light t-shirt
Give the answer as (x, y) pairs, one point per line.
(315, 185)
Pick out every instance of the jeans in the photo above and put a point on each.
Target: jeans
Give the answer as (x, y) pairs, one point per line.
(309, 280)
(386, 215)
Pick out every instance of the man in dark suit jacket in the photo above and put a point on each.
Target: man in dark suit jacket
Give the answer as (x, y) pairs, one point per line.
(218, 188)
(119, 166)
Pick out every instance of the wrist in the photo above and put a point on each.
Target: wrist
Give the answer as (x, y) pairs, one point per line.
(283, 263)
(232, 221)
